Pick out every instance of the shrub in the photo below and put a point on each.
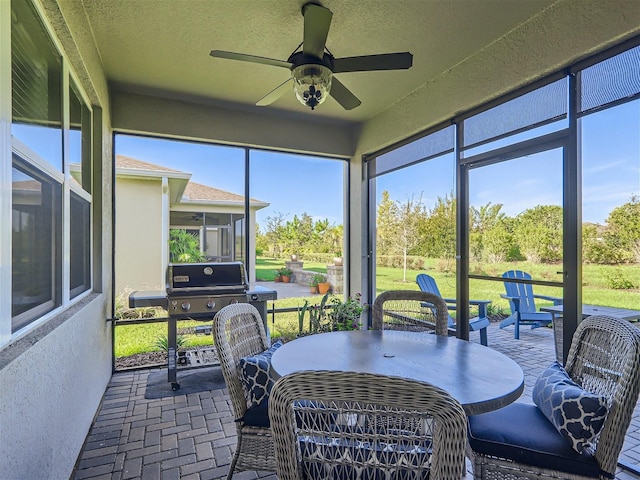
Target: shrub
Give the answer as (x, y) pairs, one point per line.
(618, 281)
(445, 265)
(162, 342)
(184, 247)
(316, 279)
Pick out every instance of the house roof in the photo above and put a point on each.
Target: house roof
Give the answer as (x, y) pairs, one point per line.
(191, 193)
(132, 163)
(197, 192)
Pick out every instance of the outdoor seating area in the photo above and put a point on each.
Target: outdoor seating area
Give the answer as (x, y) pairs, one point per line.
(194, 435)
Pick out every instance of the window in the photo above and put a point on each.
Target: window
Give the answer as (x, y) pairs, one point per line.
(50, 184)
(36, 236)
(36, 74)
(79, 242)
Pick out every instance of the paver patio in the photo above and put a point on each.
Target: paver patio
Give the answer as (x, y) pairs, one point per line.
(191, 437)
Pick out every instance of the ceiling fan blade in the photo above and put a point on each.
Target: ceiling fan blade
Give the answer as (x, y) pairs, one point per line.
(384, 61)
(317, 20)
(249, 58)
(342, 95)
(275, 94)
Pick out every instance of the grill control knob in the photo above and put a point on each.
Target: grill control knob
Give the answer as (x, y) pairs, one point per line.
(254, 297)
(185, 306)
(234, 300)
(211, 304)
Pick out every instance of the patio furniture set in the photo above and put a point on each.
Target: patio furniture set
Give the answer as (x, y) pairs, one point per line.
(395, 402)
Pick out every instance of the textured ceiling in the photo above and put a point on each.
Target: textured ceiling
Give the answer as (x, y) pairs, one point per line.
(162, 47)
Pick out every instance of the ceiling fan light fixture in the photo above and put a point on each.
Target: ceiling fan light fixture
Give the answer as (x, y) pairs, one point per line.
(312, 84)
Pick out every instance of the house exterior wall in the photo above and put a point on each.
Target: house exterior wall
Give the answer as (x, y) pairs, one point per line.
(139, 235)
(54, 375)
(51, 391)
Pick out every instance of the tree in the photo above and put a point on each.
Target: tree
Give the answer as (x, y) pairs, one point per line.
(491, 237)
(184, 247)
(623, 231)
(273, 233)
(438, 229)
(386, 225)
(410, 214)
(538, 233)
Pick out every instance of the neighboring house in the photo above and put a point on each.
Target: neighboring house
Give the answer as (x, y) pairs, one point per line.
(151, 199)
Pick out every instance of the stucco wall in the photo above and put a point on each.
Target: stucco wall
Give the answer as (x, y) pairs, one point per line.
(147, 114)
(139, 262)
(50, 392)
(53, 377)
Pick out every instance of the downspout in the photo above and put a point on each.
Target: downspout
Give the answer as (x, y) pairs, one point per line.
(164, 229)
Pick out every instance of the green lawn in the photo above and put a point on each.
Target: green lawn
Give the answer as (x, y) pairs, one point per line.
(595, 289)
(266, 268)
(141, 338)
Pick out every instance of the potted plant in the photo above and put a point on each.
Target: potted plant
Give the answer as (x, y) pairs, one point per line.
(315, 280)
(278, 277)
(285, 274)
(323, 285)
(346, 315)
(337, 260)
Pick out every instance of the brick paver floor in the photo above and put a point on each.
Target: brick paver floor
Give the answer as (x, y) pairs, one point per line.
(191, 437)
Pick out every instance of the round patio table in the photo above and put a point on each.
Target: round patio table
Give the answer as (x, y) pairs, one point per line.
(480, 378)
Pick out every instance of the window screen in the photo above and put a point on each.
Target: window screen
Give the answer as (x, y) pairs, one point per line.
(422, 149)
(530, 110)
(611, 80)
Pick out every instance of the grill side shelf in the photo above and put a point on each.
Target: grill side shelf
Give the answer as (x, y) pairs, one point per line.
(148, 298)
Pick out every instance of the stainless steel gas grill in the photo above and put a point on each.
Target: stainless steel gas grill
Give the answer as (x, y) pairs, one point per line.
(197, 291)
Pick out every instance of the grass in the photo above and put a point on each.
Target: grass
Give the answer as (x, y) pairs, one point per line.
(133, 339)
(266, 268)
(595, 288)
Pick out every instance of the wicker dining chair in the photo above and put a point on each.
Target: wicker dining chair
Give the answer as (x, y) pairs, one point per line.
(238, 332)
(410, 310)
(604, 359)
(331, 425)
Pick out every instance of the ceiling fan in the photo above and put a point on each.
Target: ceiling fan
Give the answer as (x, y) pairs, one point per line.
(313, 68)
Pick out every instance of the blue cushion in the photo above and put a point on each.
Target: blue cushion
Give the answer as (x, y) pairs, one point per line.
(257, 376)
(577, 414)
(258, 415)
(521, 433)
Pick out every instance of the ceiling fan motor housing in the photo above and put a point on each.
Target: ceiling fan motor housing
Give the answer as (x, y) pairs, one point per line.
(311, 78)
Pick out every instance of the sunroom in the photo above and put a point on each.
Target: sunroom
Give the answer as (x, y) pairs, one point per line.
(549, 86)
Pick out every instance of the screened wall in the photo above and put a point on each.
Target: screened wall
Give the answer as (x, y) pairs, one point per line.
(545, 180)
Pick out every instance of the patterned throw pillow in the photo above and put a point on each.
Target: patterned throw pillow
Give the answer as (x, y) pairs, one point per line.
(256, 375)
(577, 414)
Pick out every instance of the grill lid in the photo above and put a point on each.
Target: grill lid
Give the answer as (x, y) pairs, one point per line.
(199, 278)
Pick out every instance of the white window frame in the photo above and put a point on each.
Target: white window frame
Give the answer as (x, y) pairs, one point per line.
(8, 146)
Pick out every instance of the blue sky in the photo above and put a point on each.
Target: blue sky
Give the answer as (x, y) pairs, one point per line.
(611, 172)
(292, 184)
(295, 184)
